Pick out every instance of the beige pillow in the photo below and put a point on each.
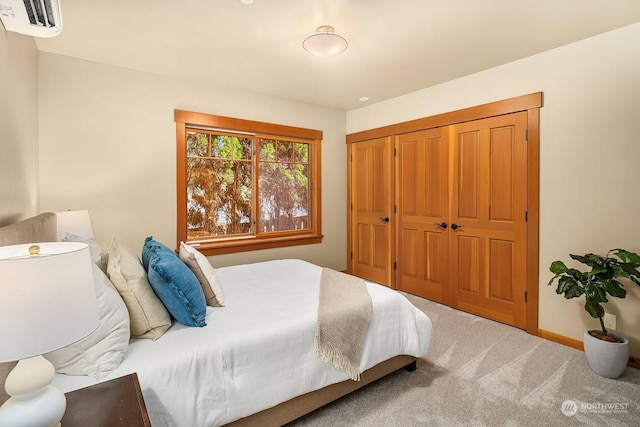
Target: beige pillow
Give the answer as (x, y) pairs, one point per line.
(206, 275)
(149, 317)
(103, 349)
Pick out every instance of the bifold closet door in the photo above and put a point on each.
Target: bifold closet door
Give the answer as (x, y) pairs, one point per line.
(422, 201)
(488, 218)
(461, 216)
(371, 210)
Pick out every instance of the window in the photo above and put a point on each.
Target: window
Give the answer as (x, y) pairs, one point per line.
(245, 185)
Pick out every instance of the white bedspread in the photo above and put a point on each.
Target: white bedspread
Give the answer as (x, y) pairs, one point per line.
(258, 350)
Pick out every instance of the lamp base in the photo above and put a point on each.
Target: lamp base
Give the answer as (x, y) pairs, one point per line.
(34, 402)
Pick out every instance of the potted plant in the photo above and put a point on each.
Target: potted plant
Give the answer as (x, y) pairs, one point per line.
(607, 353)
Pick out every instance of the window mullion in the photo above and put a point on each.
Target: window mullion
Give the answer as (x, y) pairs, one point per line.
(255, 199)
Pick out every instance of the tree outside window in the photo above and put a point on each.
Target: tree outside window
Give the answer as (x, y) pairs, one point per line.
(243, 190)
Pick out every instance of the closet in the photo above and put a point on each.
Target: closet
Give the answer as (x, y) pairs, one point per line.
(441, 208)
(371, 201)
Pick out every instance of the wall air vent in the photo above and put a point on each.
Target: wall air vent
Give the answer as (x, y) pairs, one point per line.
(39, 18)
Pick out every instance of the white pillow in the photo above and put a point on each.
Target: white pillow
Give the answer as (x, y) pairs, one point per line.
(101, 351)
(206, 275)
(98, 256)
(149, 317)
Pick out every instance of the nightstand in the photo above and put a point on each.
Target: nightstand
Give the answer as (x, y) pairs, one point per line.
(117, 402)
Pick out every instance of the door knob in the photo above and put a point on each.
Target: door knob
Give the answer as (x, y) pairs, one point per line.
(385, 219)
(455, 226)
(442, 225)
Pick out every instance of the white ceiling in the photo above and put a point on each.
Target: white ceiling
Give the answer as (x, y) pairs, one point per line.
(395, 47)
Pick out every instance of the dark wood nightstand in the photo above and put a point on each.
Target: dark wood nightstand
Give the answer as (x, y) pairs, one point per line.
(117, 402)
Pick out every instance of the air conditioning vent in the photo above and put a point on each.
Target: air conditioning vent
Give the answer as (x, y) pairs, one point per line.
(40, 13)
(39, 18)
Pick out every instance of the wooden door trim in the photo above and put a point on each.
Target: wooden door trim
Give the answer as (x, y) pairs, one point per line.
(349, 212)
(530, 103)
(533, 218)
(498, 108)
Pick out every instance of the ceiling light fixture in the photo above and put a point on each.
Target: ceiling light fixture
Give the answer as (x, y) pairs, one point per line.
(325, 42)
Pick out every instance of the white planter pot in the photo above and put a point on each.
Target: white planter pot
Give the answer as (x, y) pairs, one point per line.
(607, 359)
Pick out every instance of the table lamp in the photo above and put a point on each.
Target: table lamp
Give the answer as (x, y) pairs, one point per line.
(75, 222)
(47, 301)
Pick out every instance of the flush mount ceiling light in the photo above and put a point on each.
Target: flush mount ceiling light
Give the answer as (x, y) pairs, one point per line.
(325, 42)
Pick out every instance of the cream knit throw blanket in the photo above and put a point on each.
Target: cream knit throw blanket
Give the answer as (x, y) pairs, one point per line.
(344, 314)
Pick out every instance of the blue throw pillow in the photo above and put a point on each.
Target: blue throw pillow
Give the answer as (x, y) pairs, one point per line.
(149, 248)
(174, 283)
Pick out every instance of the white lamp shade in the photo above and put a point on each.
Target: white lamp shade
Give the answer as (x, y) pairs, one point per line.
(74, 222)
(46, 302)
(325, 42)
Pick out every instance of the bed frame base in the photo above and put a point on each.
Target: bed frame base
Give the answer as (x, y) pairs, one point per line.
(412, 366)
(298, 406)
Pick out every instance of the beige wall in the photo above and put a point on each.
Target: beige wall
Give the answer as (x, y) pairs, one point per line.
(18, 127)
(590, 154)
(18, 137)
(108, 144)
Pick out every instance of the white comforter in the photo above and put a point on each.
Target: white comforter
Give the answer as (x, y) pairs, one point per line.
(258, 350)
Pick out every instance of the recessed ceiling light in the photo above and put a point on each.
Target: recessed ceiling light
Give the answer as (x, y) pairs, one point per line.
(246, 1)
(363, 99)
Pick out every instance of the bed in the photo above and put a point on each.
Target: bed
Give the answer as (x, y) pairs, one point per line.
(254, 363)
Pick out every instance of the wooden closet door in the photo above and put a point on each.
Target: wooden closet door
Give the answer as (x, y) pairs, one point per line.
(422, 201)
(371, 210)
(488, 218)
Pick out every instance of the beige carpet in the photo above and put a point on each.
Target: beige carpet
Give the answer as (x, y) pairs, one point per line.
(482, 373)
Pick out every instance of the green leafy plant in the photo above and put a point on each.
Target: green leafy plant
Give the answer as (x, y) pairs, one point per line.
(596, 283)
